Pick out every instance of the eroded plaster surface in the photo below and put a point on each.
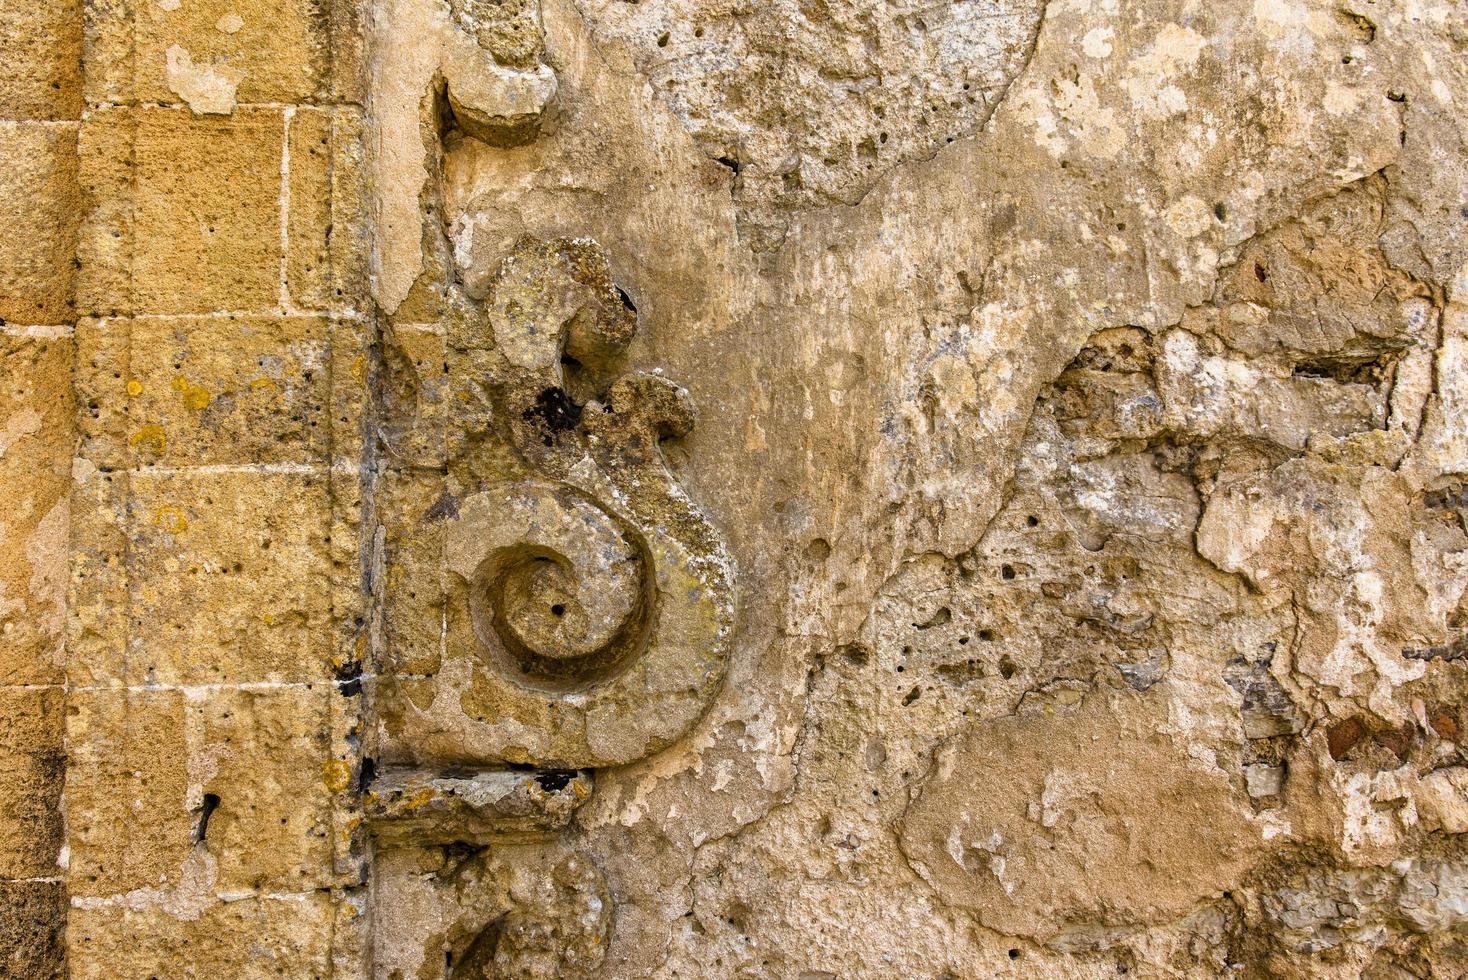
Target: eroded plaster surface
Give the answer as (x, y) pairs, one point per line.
(698, 488)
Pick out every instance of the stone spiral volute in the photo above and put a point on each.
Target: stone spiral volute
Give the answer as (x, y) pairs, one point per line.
(599, 601)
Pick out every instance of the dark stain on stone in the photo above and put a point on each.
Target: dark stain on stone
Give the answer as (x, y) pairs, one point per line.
(555, 411)
(445, 507)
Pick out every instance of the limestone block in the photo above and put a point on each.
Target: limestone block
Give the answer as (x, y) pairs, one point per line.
(41, 207)
(227, 580)
(32, 758)
(127, 781)
(35, 469)
(179, 799)
(40, 56)
(252, 938)
(186, 211)
(199, 391)
(326, 263)
(416, 508)
(32, 928)
(211, 54)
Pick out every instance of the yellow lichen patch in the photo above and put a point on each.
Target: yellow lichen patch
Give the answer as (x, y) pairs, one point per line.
(171, 519)
(194, 396)
(134, 387)
(150, 438)
(337, 774)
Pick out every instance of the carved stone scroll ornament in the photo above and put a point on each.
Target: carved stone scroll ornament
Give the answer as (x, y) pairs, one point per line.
(590, 625)
(600, 599)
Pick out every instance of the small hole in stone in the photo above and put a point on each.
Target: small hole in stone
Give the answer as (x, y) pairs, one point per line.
(558, 610)
(1014, 954)
(1007, 572)
(206, 810)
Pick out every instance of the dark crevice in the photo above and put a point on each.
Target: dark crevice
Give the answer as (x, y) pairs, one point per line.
(206, 810)
(555, 780)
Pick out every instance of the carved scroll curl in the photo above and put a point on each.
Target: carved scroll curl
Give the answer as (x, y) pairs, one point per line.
(600, 598)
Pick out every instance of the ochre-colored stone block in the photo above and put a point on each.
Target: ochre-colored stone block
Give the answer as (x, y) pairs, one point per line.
(40, 59)
(351, 360)
(190, 391)
(32, 759)
(35, 475)
(250, 939)
(263, 51)
(414, 510)
(97, 612)
(40, 205)
(183, 796)
(228, 581)
(187, 212)
(105, 235)
(127, 778)
(32, 929)
(328, 250)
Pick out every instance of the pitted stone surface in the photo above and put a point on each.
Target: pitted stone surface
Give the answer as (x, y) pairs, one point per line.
(1082, 397)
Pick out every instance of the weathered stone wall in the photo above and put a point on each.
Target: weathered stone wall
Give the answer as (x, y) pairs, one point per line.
(699, 489)
(40, 111)
(220, 375)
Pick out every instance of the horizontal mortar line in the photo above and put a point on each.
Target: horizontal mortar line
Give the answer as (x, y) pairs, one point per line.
(279, 106)
(32, 881)
(57, 332)
(202, 688)
(32, 687)
(128, 899)
(236, 315)
(59, 123)
(345, 468)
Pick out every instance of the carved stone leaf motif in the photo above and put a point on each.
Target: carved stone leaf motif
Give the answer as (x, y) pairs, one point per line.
(600, 600)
